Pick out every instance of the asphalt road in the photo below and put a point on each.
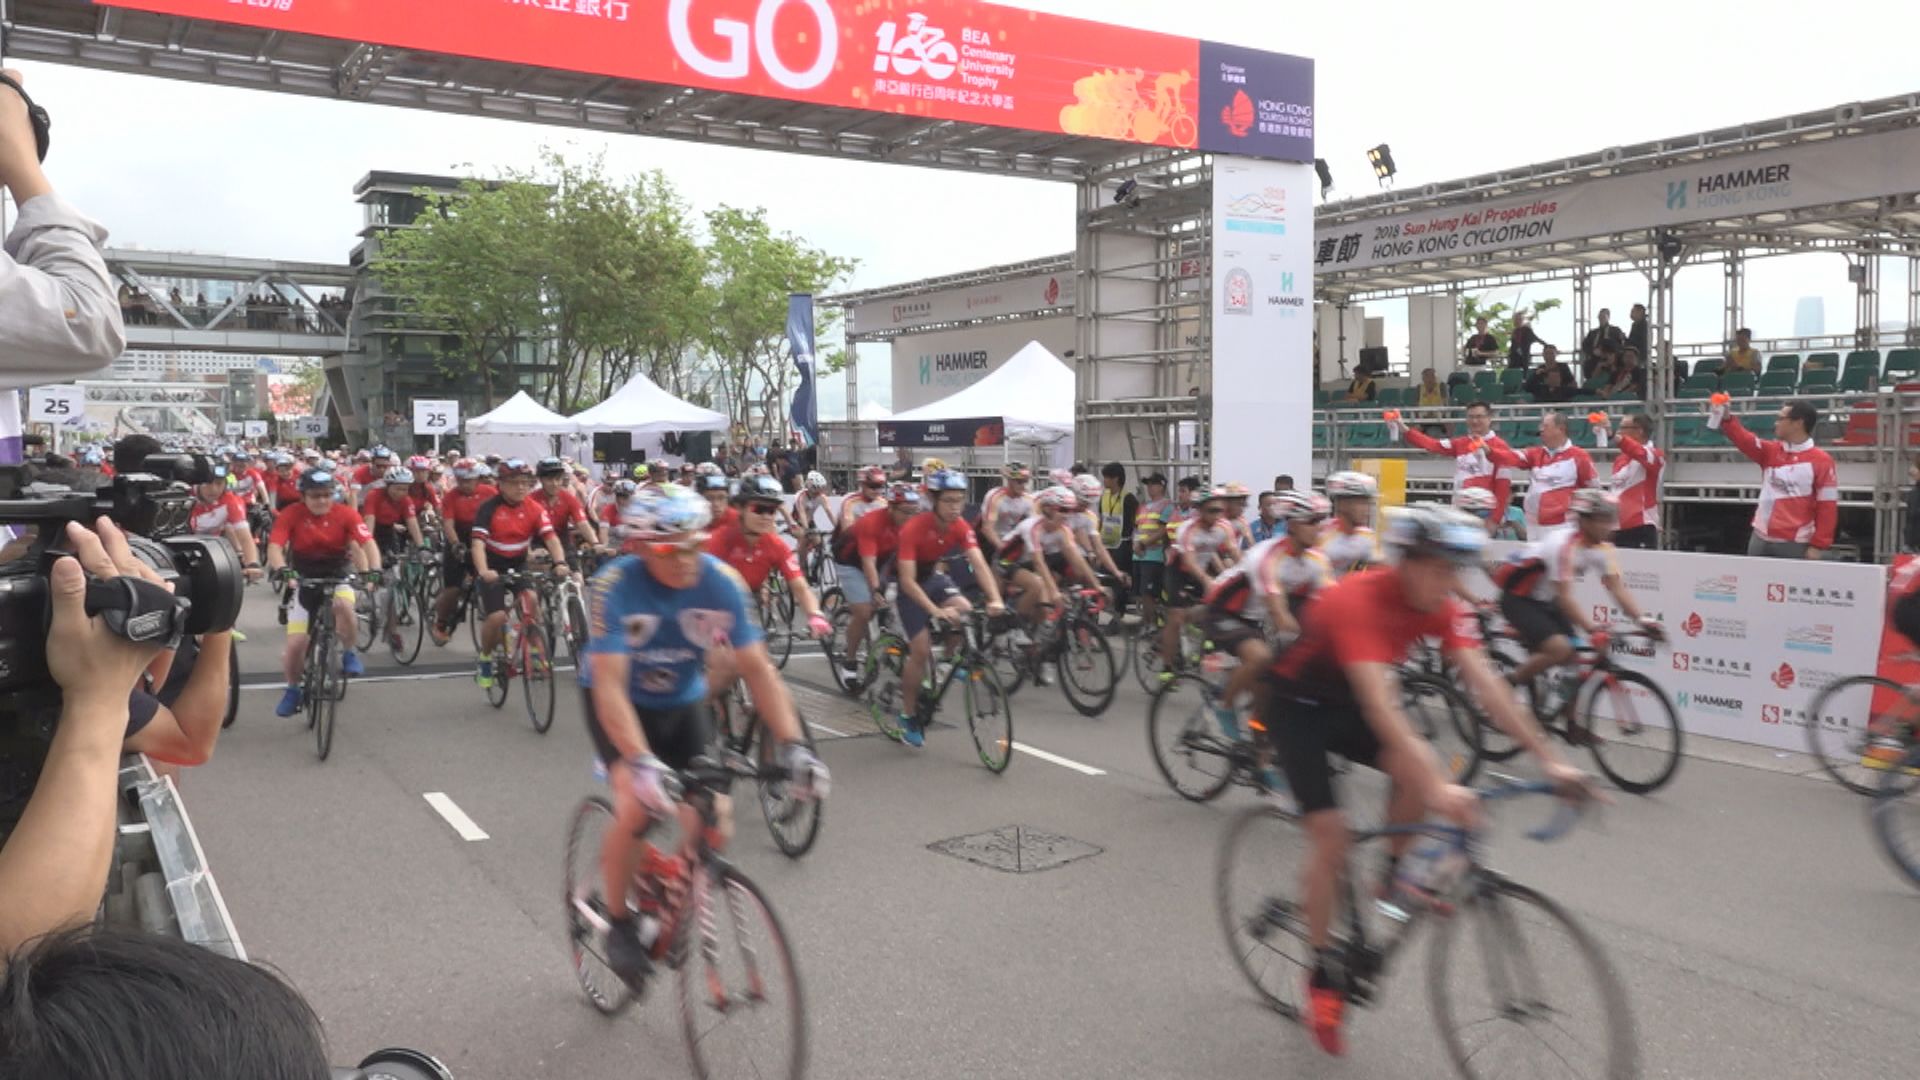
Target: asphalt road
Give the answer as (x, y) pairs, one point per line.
(1756, 928)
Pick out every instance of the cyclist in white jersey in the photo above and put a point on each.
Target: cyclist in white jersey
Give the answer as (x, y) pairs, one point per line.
(1086, 524)
(1006, 506)
(1201, 547)
(1040, 552)
(809, 511)
(1271, 586)
(1536, 588)
(1349, 542)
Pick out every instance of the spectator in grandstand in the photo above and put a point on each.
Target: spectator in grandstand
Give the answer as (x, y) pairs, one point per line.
(1362, 388)
(1743, 356)
(1520, 349)
(1553, 381)
(1481, 347)
(1432, 394)
(1604, 340)
(1628, 378)
(1799, 487)
(1637, 333)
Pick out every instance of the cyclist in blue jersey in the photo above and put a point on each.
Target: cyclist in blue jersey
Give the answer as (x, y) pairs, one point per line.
(662, 615)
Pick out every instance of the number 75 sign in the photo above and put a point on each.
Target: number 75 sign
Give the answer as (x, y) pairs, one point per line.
(436, 417)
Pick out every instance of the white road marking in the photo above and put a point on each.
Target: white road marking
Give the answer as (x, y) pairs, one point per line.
(455, 816)
(1056, 759)
(818, 726)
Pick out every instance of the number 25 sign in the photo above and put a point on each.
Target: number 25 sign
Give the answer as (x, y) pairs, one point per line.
(436, 417)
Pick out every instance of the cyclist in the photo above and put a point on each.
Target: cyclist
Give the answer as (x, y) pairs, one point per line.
(1236, 514)
(1333, 692)
(504, 529)
(1350, 543)
(1005, 507)
(1040, 551)
(218, 510)
(719, 495)
(457, 511)
(1284, 574)
(864, 553)
(555, 496)
(659, 614)
(319, 537)
(753, 548)
(927, 595)
(1536, 588)
(619, 494)
(1086, 525)
(249, 481)
(1200, 548)
(284, 484)
(809, 508)
(389, 505)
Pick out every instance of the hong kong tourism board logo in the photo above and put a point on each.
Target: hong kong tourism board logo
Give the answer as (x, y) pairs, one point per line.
(1811, 638)
(1723, 589)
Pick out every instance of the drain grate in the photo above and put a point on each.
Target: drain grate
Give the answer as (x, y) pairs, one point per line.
(1016, 849)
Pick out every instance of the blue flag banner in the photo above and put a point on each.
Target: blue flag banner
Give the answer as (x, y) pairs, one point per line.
(806, 398)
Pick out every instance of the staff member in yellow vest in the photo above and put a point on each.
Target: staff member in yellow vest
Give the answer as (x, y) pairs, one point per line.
(1117, 511)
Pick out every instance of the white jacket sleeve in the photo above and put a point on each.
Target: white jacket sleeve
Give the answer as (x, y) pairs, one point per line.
(59, 318)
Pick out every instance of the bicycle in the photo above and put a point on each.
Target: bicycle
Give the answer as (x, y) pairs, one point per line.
(682, 899)
(323, 684)
(1895, 821)
(1144, 643)
(775, 607)
(794, 822)
(989, 717)
(838, 613)
(1266, 932)
(1081, 657)
(822, 572)
(407, 607)
(525, 652)
(1623, 717)
(1862, 758)
(563, 610)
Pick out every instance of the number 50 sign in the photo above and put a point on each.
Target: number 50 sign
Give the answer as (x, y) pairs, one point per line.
(436, 417)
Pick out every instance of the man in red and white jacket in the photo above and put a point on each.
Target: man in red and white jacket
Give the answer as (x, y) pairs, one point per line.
(1558, 469)
(1471, 469)
(1799, 489)
(1636, 480)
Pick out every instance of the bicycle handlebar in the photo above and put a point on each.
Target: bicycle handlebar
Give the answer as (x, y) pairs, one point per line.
(1565, 817)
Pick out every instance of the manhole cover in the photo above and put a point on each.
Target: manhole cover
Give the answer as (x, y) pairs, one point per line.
(1016, 849)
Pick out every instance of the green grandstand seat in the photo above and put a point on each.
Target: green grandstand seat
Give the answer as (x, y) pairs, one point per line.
(1824, 378)
(1321, 398)
(1580, 431)
(1821, 359)
(1697, 382)
(1743, 382)
(1860, 380)
(1518, 432)
(1681, 369)
(1785, 361)
(1457, 376)
(1902, 361)
(1319, 436)
(1862, 359)
(1696, 393)
(1512, 377)
(1367, 436)
(1687, 429)
(1390, 398)
(1709, 365)
(1778, 382)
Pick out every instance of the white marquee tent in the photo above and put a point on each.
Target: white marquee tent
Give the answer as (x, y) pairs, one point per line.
(642, 408)
(1032, 394)
(521, 415)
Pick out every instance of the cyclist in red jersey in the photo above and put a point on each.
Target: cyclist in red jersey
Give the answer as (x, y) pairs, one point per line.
(927, 595)
(753, 547)
(1334, 692)
(714, 488)
(504, 531)
(457, 510)
(615, 508)
(864, 552)
(249, 480)
(284, 485)
(319, 537)
(555, 496)
(389, 505)
(218, 511)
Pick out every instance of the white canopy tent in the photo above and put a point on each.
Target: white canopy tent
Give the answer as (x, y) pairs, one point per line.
(1031, 396)
(521, 415)
(642, 408)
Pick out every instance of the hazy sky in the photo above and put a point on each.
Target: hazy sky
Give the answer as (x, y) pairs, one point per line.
(1455, 89)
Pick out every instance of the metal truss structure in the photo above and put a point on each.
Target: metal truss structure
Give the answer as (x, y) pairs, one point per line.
(295, 323)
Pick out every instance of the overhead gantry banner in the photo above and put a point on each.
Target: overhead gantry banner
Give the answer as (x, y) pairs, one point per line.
(958, 60)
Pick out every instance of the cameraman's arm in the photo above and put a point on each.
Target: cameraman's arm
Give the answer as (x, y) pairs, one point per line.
(53, 868)
(183, 732)
(58, 314)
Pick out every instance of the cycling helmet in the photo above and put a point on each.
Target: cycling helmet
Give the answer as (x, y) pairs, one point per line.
(241, 453)
(551, 466)
(399, 476)
(1058, 498)
(1433, 529)
(1477, 501)
(364, 455)
(1351, 485)
(493, 459)
(1088, 487)
(381, 453)
(316, 480)
(816, 482)
(1237, 490)
(1013, 471)
(1061, 476)
(514, 466)
(1593, 502)
(419, 463)
(282, 458)
(873, 474)
(466, 469)
(764, 488)
(946, 480)
(91, 456)
(483, 470)
(1216, 493)
(903, 495)
(1302, 506)
(625, 487)
(664, 513)
(707, 468)
(713, 482)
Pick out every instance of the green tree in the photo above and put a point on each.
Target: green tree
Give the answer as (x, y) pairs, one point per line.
(1500, 316)
(752, 271)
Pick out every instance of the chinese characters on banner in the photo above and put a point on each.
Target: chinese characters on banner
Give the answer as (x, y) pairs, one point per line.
(961, 60)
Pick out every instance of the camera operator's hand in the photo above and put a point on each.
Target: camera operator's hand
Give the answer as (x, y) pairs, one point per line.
(84, 657)
(19, 152)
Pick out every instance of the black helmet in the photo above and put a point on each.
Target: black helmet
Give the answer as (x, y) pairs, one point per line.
(758, 487)
(550, 466)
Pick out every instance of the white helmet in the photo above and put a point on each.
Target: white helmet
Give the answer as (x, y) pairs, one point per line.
(1477, 501)
(1302, 505)
(816, 482)
(1351, 485)
(1059, 497)
(1593, 502)
(399, 476)
(1088, 487)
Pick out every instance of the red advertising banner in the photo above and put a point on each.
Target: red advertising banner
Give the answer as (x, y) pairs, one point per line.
(960, 60)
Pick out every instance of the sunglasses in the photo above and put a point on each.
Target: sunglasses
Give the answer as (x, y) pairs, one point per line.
(690, 546)
(762, 508)
(873, 487)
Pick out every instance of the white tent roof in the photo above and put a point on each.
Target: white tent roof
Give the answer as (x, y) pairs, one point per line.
(642, 408)
(1032, 393)
(873, 410)
(521, 415)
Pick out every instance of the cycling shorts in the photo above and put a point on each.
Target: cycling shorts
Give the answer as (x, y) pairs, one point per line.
(493, 595)
(1534, 621)
(389, 539)
(455, 565)
(676, 736)
(1228, 630)
(914, 618)
(1307, 729)
(1183, 589)
(312, 598)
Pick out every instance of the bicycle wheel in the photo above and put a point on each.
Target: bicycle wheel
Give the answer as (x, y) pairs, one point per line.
(575, 611)
(502, 677)
(1896, 816)
(1088, 676)
(1497, 745)
(1846, 717)
(741, 1007)
(989, 718)
(536, 676)
(779, 631)
(233, 682)
(1255, 888)
(470, 603)
(1632, 729)
(1188, 746)
(329, 687)
(833, 605)
(1534, 996)
(587, 911)
(794, 823)
(1148, 668)
(1442, 716)
(366, 617)
(1007, 658)
(881, 677)
(406, 624)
